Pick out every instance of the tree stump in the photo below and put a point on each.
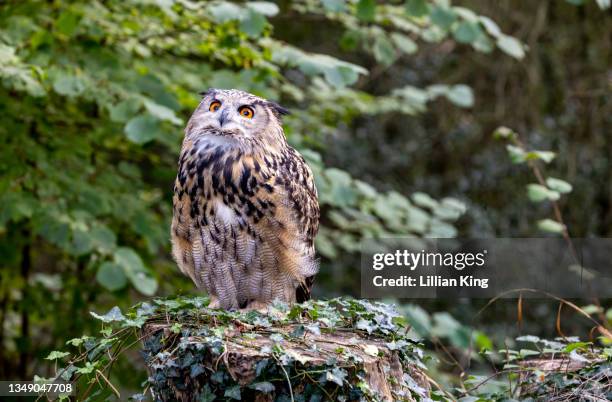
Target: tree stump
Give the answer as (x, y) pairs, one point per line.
(334, 350)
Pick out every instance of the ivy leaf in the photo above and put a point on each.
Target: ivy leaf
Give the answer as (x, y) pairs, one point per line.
(54, 355)
(263, 386)
(337, 375)
(87, 369)
(207, 394)
(233, 392)
(111, 276)
(558, 185)
(113, 314)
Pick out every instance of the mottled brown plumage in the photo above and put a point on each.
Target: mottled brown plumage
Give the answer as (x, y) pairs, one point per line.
(245, 205)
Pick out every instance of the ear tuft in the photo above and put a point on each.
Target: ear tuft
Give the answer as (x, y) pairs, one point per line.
(278, 109)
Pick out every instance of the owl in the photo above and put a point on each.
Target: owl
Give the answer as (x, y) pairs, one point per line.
(245, 209)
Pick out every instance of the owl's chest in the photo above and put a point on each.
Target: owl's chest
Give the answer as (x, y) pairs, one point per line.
(227, 188)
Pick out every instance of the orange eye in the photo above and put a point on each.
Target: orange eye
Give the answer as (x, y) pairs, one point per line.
(246, 111)
(214, 106)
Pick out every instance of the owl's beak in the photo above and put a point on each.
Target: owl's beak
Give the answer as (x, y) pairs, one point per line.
(223, 117)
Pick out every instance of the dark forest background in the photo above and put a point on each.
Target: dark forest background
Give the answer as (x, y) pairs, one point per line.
(393, 104)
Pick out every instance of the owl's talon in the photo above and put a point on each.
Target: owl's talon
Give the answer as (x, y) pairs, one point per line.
(214, 303)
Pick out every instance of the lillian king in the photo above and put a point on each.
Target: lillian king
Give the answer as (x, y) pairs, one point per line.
(431, 281)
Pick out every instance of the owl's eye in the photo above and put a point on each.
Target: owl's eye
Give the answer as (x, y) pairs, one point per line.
(214, 106)
(247, 112)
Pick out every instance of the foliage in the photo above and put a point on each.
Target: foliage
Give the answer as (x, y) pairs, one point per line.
(181, 358)
(563, 369)
(94, 95)
(547, 188)
(393, 105)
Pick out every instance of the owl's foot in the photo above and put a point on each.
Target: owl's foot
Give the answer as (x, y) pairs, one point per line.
(214, 302)
(257, 305)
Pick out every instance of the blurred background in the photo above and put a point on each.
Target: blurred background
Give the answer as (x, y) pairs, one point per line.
(393, 105)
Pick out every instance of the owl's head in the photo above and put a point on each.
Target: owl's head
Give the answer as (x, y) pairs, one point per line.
(236, 116)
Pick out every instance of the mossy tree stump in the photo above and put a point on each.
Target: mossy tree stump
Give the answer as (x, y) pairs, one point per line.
(335, 350)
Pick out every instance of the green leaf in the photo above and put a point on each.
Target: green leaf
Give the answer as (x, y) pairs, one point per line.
(335, 6)
(68, 85)
(113, 314)
(424, 200)
(253, 24)
(266, 8)
(111, 276)
(366, 10)
(538, 193)
(511, 46)
(404, 43)
(384, 51)
(264, 386)
(490, 26)
(162, 112)
(417, 8)
(548, 225)
(103, 239)
(233, 392)
(504, 133)
(135, 271)
(545, 156)
(67, 23)
(443, 17)
(142, 129)
(54, 355)
(337, 376)
(461, 95)
(467, 32)
(87, 369)
(559, 185)
(517, 154)
(577, 345)
(124, 110)
(225, 11)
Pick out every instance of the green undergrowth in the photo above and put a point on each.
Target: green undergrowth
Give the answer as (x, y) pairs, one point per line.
(184, 344)
(188, 353)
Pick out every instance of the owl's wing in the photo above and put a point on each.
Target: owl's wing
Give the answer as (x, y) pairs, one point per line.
(181, 230)
(298, 214)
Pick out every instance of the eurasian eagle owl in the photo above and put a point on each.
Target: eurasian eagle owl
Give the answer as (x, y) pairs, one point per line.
(245, 205)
